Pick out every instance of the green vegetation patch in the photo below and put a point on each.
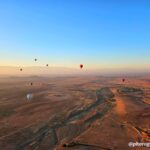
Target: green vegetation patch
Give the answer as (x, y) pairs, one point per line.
(6, 113)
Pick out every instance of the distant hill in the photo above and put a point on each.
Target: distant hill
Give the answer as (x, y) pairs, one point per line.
(36, 71)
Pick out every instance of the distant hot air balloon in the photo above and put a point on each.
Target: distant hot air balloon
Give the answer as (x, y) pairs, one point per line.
(47, 65)
(35, 59)
(123, 80)
(29, 96)
(21, 69)
(81, 66)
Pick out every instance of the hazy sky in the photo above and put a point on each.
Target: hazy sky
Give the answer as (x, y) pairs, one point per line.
(97, 33)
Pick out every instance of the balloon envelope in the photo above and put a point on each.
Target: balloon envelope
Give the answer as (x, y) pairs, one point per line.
(123, 80)
(29, 96)
(81, 66)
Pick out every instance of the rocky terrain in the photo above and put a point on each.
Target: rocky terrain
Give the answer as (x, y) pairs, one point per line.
(75, 113)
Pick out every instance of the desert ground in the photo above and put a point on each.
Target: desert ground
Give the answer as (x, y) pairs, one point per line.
(74, 113)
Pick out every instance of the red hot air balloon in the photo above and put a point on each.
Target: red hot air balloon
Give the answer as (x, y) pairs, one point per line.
(81, 66)
(123, 80)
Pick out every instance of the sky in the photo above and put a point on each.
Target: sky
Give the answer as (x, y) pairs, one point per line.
(100, 34)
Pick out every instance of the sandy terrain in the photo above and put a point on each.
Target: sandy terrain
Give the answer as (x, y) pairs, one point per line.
(74, 113)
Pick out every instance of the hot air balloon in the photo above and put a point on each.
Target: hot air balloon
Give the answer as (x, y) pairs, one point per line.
(29, 96)
(35, 59)
(21, 69)
(47, 65)
(81, 66)
(123, 80)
